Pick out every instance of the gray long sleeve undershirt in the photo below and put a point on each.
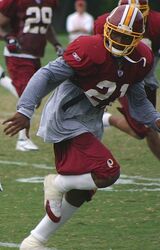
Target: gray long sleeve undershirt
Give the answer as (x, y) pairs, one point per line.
(141, 109)
(51, 76)
(42, 83)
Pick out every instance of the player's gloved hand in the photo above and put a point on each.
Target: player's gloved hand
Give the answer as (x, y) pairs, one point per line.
(59, 50)
(12, 44)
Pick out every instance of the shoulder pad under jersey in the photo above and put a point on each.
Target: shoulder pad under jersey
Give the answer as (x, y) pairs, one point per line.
(84, 51)
(99, 24)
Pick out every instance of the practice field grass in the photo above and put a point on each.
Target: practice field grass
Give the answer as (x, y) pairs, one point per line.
(125, 216)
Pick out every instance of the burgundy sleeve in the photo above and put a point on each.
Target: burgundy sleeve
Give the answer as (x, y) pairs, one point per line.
(8, 7)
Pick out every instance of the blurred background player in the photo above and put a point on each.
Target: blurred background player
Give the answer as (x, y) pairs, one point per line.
(6, 82)
(151, 35)
(80, 22)
(26, 26)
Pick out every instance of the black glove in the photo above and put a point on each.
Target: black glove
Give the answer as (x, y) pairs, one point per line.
(59, 50)
(12, 44)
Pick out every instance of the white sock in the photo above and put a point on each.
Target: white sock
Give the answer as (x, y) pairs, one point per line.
(1, 188)
(46, 227)
(6, 82)
(105, 119)
(22, 134)
(66, 183)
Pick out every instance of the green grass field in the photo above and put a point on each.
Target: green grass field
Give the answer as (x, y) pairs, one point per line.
(123, 217)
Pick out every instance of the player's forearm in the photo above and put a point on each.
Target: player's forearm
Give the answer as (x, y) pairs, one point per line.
(145, 116)
(36, 89)
(3, 34)
(52, 36)
(3, 24)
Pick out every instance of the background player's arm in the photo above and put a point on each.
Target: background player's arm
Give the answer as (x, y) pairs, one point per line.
(52, 38)
(11, 42)
(4, 23)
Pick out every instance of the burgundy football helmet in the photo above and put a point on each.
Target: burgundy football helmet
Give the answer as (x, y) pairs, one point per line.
(123, 30)
(142, 5)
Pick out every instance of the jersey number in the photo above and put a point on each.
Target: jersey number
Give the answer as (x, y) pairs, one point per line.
(38, 20)
(110, 86)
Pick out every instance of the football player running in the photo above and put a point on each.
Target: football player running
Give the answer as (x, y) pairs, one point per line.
(126, 123)
(93, 72)
(26, 26)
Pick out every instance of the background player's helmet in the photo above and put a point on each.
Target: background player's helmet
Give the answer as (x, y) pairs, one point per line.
(123, 30)
(142, 5)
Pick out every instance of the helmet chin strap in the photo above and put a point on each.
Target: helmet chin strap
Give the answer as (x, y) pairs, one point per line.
(132, 61)
(117, 52)
(114, 51)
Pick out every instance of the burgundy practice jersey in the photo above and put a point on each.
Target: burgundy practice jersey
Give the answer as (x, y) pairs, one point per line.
(29, 21)
(102, 76)
(152, 28)
(99, 24)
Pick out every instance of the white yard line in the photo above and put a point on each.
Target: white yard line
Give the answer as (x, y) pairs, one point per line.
(6, 244)
(131, 190)
(22, 164)
(13, 245)
(132, 183)
(138, 183)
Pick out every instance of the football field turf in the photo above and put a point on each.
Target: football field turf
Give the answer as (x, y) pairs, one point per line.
(125, 216)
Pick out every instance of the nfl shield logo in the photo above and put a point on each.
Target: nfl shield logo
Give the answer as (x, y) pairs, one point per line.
(120, 73)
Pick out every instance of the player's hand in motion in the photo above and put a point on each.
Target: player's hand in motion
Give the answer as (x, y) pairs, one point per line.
(17, 123)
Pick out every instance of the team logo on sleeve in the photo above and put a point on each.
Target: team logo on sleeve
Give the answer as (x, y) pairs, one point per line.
(76, 57)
